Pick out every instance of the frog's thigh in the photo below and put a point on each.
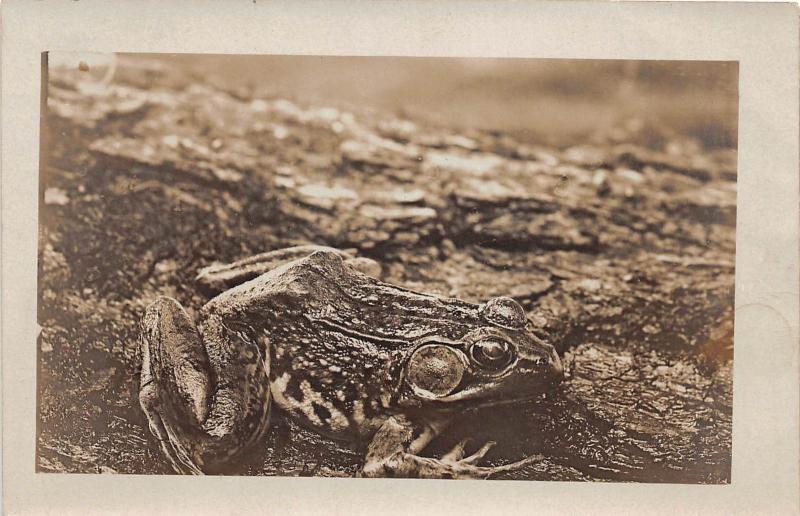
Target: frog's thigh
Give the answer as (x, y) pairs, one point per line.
(174, 356)
(200, 423)
(240, 412)
(175, 387)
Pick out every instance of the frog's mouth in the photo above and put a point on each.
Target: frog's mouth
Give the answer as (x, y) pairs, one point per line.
(488, 394)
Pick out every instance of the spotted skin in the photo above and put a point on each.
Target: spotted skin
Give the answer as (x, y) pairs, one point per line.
(330, 346)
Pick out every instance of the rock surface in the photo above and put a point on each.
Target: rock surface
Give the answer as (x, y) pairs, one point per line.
(623, 254)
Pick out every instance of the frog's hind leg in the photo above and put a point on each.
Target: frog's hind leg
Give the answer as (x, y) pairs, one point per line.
(175, 389)
(199, 413)
(217, 278)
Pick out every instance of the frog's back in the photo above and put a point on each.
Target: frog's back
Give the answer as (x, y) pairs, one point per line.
(323, 289)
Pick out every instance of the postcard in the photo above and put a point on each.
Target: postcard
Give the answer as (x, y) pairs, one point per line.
(561, 277)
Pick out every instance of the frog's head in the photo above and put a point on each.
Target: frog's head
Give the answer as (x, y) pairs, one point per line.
(497, 361)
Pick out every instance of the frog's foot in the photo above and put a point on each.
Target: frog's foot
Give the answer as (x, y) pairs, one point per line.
(392, 453)
(457, 455)
(171, 448)
(218, 277)
(452, 465)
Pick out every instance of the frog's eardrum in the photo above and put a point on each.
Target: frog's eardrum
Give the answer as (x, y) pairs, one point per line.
(435, 369)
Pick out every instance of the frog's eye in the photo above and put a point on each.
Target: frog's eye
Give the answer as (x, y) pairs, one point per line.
(504, 312)
(491, 354)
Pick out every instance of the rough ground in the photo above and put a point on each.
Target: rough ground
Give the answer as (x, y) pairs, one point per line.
(622, 250)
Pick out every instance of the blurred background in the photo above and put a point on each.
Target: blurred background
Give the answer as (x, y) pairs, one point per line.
(559, 102)
(554, 102)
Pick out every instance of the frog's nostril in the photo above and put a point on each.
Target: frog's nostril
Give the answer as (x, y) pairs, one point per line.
(545, 359)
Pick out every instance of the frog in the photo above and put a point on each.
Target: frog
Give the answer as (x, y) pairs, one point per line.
(315, 332)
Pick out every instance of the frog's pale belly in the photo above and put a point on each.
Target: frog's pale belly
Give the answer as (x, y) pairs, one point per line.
(338, 417)
(324, 391)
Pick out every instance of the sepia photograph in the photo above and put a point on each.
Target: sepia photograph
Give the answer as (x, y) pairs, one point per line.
(446, 268)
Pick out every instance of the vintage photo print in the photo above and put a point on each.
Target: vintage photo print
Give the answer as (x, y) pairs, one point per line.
(445, 268)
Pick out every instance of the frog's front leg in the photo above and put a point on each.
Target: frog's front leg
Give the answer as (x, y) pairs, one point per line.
(217, 278)
(205, 393)
(394, 448)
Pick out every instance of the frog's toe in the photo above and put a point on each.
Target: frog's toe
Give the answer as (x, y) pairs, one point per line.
(457, 453)
(177, 456)
(478, 455)
(487, 472)
(467, 468)
(148, 397)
